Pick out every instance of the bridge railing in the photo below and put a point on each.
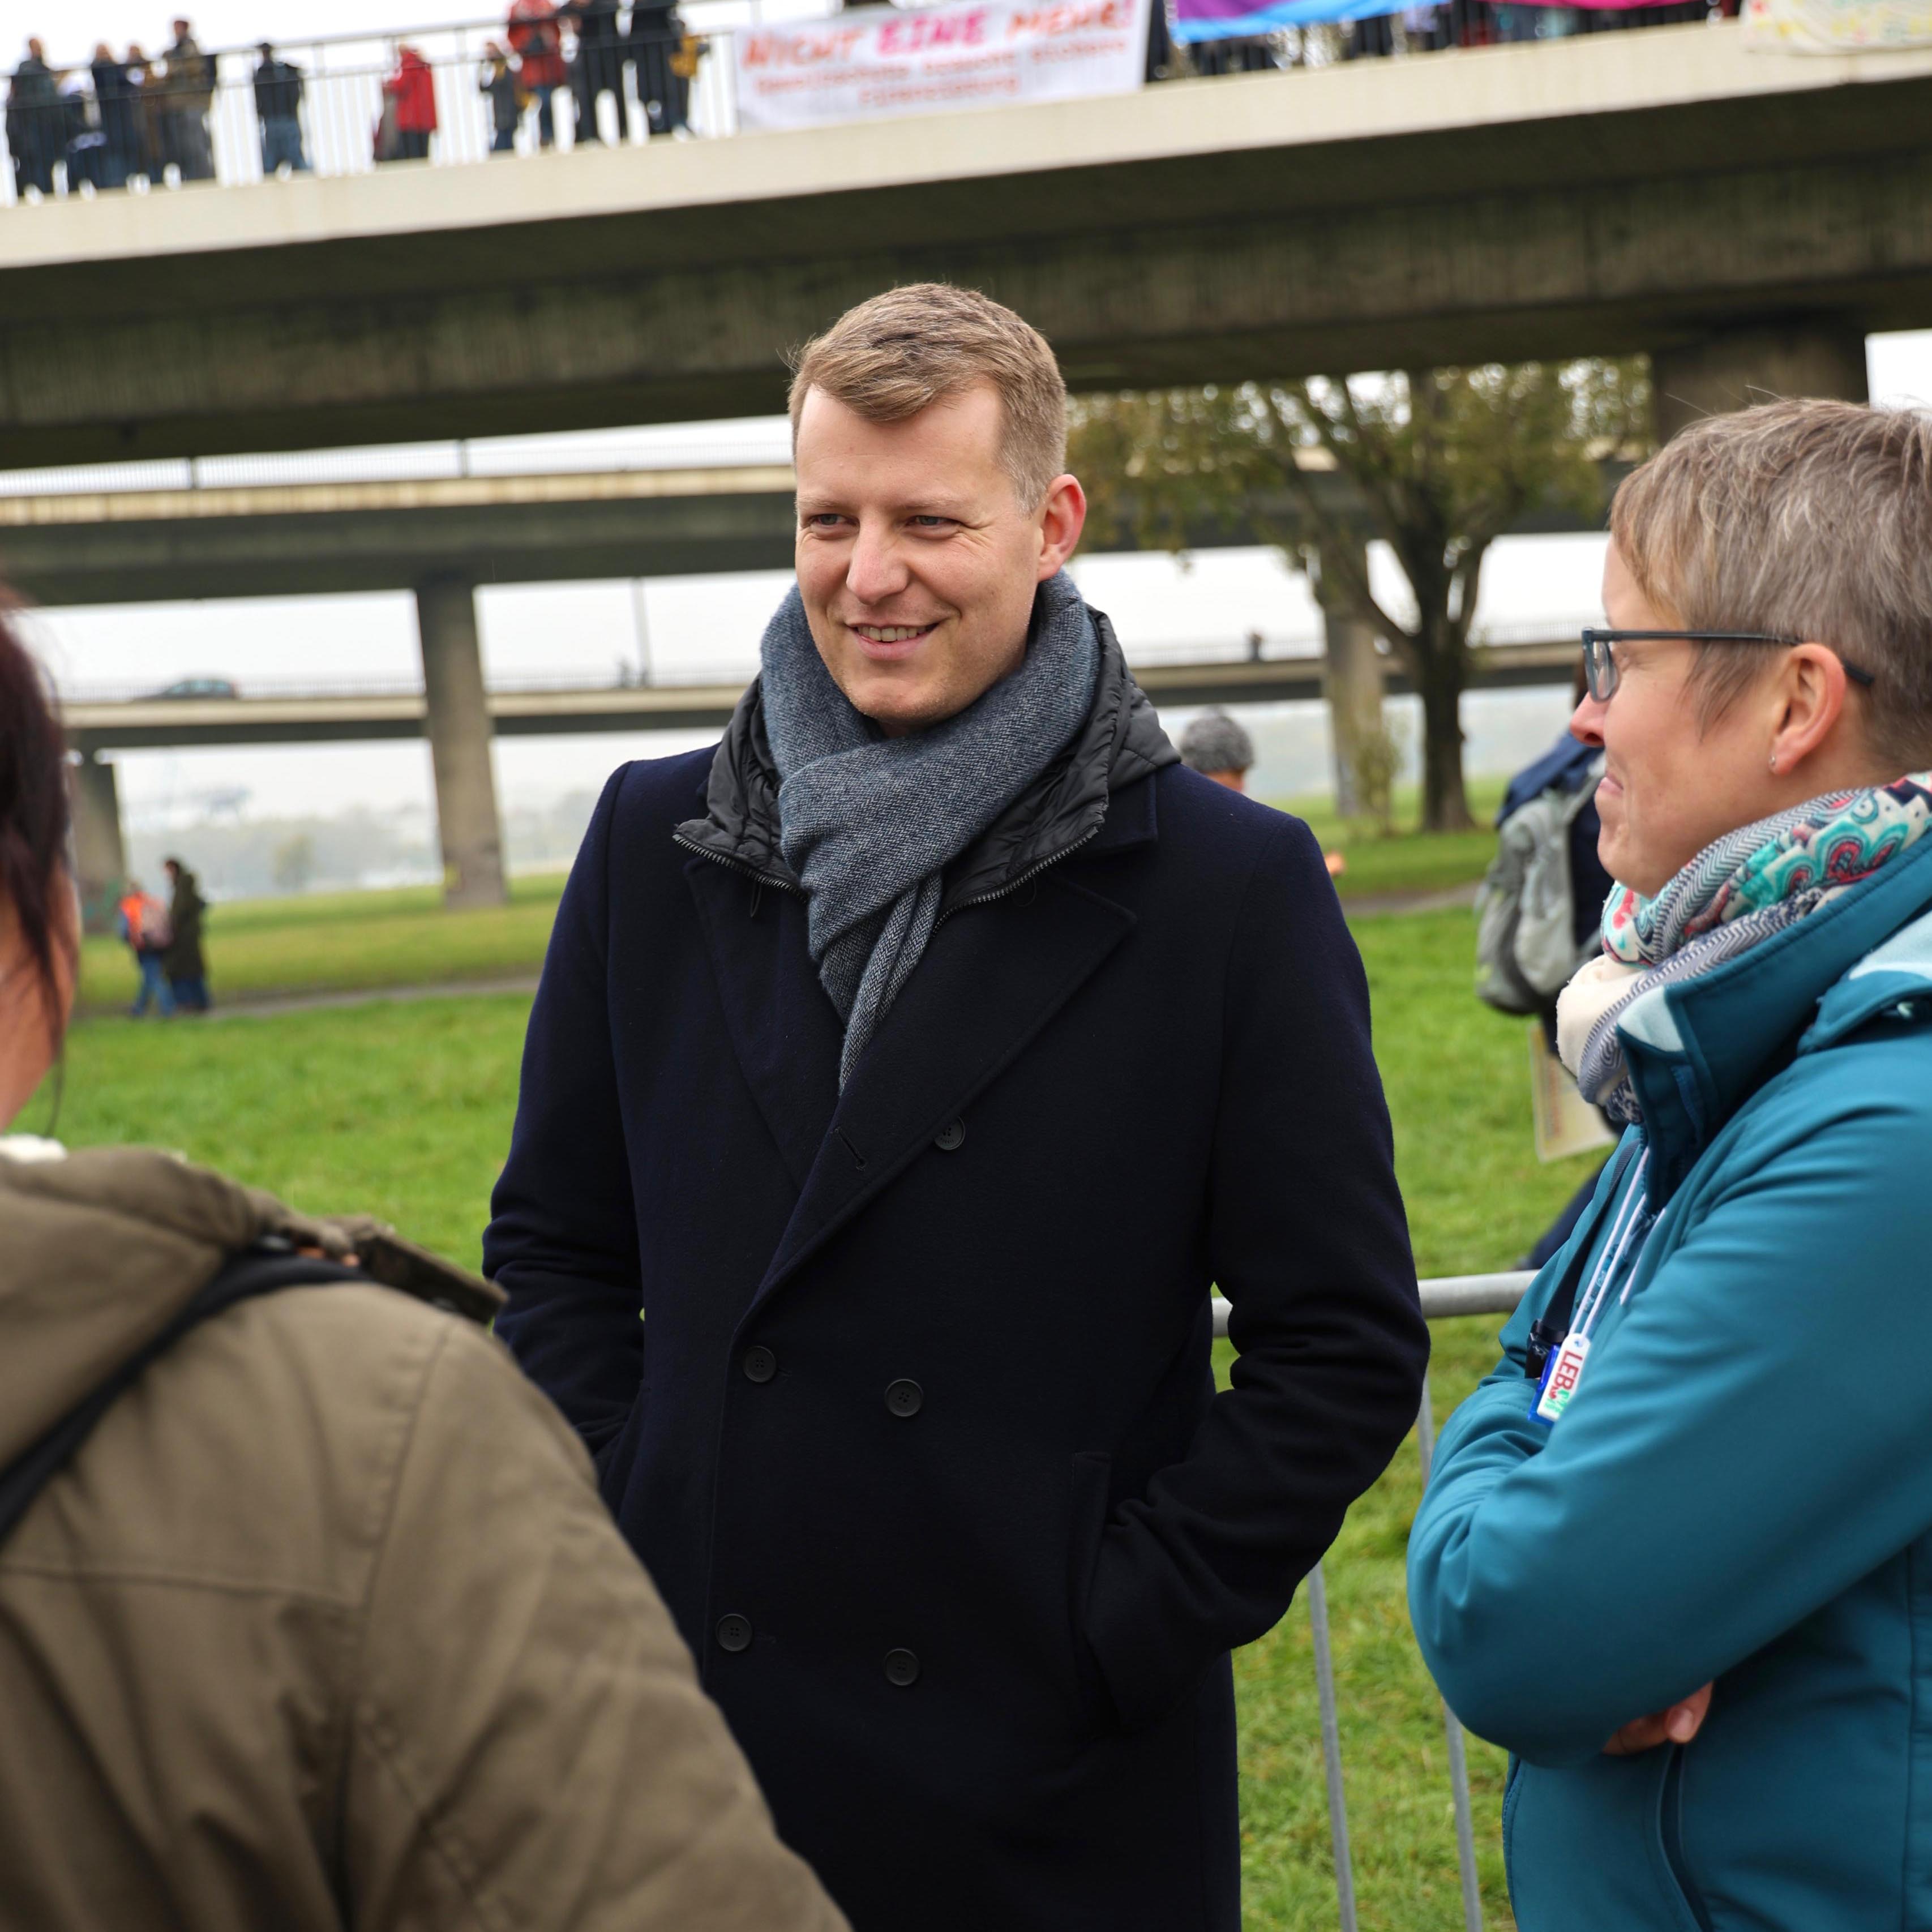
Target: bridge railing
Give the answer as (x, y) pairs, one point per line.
(673, 84)
(85, 145)
(1442, 1298)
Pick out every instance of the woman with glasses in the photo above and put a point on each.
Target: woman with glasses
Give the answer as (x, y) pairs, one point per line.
(1676, 1554)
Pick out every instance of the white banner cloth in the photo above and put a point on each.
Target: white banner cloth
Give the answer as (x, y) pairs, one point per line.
(1836, 26)
(880, 61)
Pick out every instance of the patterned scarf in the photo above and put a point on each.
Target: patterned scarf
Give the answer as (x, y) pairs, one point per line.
(869, 824)
(1735, 895)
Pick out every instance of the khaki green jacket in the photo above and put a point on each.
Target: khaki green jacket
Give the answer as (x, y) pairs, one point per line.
(326, 1625)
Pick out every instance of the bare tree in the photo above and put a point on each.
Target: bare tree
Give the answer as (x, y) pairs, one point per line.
(1442, 462)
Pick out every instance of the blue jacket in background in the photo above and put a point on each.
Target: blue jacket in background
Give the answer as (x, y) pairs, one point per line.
(1741, 1488)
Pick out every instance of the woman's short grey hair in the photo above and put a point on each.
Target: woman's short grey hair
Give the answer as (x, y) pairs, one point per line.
(1214, 742)
(1809, 519)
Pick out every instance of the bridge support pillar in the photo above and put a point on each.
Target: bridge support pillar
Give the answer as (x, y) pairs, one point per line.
(99, 854)
(460, 753)
(1823, 357)
(1351, 683)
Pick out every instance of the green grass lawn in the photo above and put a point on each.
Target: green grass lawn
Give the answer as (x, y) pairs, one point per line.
(347, 942)
(351, 942)
(405, 1110)
(1404, 861)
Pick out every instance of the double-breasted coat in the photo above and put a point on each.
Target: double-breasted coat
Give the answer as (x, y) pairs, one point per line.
(904, 1394)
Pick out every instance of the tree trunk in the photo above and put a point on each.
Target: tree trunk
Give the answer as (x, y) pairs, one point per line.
(1352, 682)
(1439, 664)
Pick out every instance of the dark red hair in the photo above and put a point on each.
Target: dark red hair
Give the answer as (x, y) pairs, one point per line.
(34, 815)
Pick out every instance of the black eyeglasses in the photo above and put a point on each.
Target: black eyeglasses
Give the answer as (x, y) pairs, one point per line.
(1600, 668)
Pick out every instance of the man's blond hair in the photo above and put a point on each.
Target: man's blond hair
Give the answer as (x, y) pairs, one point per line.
(913, 346)
(1809, 519)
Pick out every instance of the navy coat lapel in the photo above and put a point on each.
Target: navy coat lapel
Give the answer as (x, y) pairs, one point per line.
(784, 1028)
(993, 976)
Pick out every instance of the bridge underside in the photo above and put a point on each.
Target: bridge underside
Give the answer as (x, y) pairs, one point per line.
(327, 539)
(1230, 242)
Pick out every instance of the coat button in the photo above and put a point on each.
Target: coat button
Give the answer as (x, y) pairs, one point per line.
(734, 1633)
(950, 1136)
(761, 1364)
(904, 1398)
(901, 1668)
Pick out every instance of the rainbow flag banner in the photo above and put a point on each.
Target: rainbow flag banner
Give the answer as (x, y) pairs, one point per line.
(1247, 19)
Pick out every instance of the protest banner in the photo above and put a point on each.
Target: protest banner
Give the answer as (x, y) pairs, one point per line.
(873, 63)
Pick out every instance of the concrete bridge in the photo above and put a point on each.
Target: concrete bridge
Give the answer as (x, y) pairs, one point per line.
(440, 537)
(461, 723)
(1744, 216)
(152, 724)
(108, 545)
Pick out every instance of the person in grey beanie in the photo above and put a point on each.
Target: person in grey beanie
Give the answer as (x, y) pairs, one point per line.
(1218, 749)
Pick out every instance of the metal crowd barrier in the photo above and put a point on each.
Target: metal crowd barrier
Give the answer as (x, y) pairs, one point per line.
(1446, 1296)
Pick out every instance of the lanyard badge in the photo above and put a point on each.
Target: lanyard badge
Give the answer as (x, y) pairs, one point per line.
(1560, 1377)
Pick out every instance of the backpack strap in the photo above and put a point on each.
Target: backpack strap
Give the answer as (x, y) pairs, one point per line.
(257, 1270)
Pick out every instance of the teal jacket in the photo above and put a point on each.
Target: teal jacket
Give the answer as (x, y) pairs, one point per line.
(1741, 1487)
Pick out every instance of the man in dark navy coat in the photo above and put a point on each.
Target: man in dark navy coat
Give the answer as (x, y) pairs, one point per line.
(904, 1073)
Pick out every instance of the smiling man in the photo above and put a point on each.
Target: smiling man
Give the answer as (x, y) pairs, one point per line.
(912, 1065)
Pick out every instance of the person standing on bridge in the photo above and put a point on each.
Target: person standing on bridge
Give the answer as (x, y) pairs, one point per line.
(411, 90)
(911, 1064)
(598, 68)
(498, 84)
(278, 99)
(33, 137)
(537, 41)
(187, 94)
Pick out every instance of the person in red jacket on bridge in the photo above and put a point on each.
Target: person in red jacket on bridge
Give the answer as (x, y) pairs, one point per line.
(537, 41)
(412, 88)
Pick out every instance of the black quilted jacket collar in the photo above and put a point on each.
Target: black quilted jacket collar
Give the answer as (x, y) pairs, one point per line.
(1121, 743)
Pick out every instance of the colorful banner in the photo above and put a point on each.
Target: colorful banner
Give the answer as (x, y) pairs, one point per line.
(876, 62)
(1246, 20)
(1836, 26)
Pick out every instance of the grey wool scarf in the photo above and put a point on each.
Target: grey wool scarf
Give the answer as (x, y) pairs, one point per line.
(869, 824)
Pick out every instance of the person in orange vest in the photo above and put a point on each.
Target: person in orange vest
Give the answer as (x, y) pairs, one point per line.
(143, 923)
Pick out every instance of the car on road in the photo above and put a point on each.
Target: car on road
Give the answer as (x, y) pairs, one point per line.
(199, 687)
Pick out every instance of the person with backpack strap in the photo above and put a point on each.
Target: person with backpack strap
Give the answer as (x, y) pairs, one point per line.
(311, 1618)
(1536, 913)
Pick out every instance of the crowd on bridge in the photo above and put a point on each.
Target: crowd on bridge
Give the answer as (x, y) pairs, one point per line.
(131, 118)
(121, 119)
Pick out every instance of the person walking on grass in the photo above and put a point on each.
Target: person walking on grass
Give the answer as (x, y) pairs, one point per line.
(1674, 1551)
(321, 1625)
(904, 1071)
(182, 958)
(142, 921)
